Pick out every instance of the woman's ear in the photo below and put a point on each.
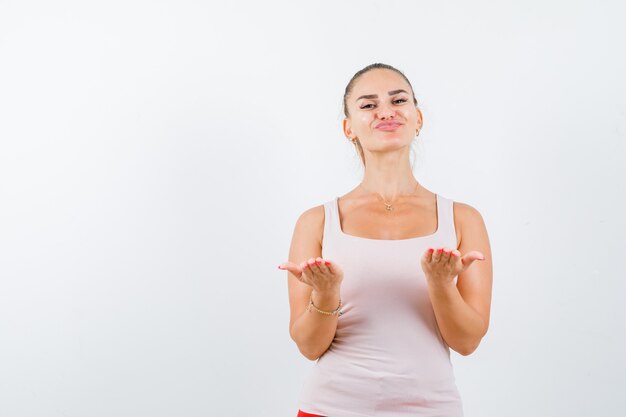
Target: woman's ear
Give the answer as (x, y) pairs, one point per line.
(347, 130)
(420, 121)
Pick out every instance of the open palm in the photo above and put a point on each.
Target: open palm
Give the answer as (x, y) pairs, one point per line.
(442, 264)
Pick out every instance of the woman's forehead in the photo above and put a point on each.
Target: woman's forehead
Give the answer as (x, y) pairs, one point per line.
(379, 81)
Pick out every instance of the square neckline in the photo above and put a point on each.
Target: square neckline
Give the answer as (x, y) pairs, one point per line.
(436, 232)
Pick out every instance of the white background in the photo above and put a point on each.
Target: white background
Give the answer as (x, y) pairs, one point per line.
(155, 157)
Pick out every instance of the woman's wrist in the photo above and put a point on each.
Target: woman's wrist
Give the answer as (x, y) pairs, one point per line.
(326, 300)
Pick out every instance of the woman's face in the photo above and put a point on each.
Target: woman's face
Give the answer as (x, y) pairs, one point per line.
(382, 113)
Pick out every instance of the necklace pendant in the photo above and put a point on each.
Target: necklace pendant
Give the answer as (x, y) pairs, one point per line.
(388, 207)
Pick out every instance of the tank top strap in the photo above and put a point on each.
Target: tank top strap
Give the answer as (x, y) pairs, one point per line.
(445, 220)
(331, 222)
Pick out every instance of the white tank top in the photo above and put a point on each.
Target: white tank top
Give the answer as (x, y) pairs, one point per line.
(387, 358)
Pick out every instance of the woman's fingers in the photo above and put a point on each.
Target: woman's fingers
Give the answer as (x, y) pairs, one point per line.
(319, 264)
(313, 271)
(442, 254)
(313, 266)
(445, 255)
(291, 267)
(455, 257)
(471, 257)
(298, 271)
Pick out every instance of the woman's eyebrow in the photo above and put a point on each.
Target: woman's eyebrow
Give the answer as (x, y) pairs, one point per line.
(391, 93)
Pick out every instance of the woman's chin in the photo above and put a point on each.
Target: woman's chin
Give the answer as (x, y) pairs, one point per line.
(392, 134)
(393, 144)
(400, 139)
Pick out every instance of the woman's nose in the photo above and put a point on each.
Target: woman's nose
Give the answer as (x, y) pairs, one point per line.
(385, 113)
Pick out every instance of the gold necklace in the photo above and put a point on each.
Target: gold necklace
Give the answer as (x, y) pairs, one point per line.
(388, 205)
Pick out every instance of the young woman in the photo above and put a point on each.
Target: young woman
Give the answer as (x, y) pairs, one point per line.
(383, 280)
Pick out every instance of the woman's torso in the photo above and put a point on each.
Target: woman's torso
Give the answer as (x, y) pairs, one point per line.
(387, 357)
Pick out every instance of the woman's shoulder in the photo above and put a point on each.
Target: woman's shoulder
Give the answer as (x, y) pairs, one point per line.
(311, 222)
(464, 210)
(466, 217)
(313, 216)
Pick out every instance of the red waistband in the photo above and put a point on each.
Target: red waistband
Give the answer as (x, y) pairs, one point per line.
(303, 414)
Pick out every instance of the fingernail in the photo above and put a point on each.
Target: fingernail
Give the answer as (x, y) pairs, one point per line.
(327, 263)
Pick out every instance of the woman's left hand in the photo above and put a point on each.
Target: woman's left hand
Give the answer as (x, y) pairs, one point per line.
(441, 265)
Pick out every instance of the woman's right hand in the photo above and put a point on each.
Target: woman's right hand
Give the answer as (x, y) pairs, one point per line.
(323, 276)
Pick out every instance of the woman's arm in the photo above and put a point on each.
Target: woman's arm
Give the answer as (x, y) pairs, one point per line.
(462, 310)
(312, 331)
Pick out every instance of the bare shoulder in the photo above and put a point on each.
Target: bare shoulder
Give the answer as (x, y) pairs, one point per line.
(306, 241)
(310, 225)
(464, 210)
(466, 218)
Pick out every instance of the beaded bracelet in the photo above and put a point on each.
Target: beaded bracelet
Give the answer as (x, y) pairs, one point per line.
(330, 313)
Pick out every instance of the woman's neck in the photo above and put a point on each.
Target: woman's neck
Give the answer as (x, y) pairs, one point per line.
(391, 181)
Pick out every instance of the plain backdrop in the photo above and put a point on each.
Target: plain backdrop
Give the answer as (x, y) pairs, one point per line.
(155, 156)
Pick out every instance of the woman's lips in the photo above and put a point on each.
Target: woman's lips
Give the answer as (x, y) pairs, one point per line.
(389, 128)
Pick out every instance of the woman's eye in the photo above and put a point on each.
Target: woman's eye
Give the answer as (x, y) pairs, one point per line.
(401, 100)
